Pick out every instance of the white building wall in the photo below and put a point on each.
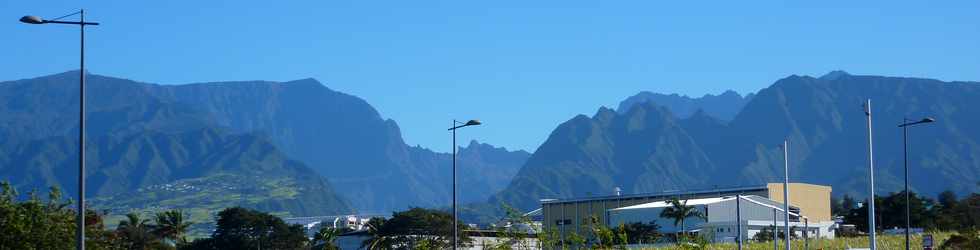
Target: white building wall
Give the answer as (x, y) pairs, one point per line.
(721, 217)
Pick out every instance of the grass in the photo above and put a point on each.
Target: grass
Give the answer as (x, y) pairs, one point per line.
(885, 242)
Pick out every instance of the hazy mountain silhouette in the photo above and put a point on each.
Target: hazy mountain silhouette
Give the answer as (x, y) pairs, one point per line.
(339, 136)
(723, 106)
(646, 149)
(137, 140)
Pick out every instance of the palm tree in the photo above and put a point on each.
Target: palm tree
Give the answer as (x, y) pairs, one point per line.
(679, 211)
(135, 232)
(326, 237)
(378, 238)
(172, 226)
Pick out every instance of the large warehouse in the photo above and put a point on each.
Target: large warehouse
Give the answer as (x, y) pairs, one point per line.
(720, 215)
(569, 215)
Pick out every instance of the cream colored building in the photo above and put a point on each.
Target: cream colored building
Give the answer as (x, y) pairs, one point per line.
(813, 200)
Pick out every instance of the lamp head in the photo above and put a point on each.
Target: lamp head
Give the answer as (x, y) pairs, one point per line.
(473, 122)
(927, 120)
(32, 20)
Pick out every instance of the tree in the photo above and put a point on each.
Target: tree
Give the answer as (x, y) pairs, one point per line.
(891, 210)
(680, 211)
(970, 207)
(601, 236)
(516, 230)
(859, 215)
(574, 240)
(836, 206)
(763, 235)
(842, 206)
(640, 233)
(97, 236)
(549, 239)
(242, 228)
(37, 224)
(848, 203)
(325, 238)
(172, 226)
(413, 228)
(136, 232)
(377, 239)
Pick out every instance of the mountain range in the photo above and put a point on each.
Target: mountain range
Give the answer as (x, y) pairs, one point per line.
(648, 147)
(148, 136)
(723, 106)
(299, 148)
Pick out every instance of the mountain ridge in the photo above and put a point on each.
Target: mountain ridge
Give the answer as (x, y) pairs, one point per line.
(723, 106)
(821, 118)
(341, 136)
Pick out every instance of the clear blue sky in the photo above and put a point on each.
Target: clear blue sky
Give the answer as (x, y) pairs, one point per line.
(522, 67)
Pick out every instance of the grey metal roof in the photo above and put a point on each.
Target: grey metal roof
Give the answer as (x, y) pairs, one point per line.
(731, 190)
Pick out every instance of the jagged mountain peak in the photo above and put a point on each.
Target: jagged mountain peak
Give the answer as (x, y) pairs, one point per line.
(834, 75)
(723, 106)
(821, 119)
(340, 136)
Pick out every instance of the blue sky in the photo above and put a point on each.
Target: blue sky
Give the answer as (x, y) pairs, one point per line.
(522, 67)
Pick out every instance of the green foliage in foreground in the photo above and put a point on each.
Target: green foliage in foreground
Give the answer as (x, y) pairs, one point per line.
(948, 214)
(242, 228)
(50, 224)
(417, 228)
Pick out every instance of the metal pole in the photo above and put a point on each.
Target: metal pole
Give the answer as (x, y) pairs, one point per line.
(786, 192)
(80, 231)
(871, 181)
(905, 148)
(775, 235)
(738, 220)
(806, 233)
(455, 215)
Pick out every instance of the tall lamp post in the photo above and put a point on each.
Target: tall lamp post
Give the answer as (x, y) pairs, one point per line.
(786, 192)
(905, 147)
(871, 181)
(457, 125)
(80, 217)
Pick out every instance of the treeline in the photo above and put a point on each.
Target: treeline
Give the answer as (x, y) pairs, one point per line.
(945, 213)
(37, 223)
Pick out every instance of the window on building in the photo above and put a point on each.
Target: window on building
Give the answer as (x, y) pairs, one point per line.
(563, 222)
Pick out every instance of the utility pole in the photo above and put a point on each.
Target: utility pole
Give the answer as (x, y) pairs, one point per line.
(786, 191)
(738, 220)
(871, 181)
(806, 233)
(775, 230)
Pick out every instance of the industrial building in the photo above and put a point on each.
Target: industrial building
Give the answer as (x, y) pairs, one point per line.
(571, 215)
(720, 216)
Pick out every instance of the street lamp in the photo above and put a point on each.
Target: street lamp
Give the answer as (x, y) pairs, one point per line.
(871, 181)
(786, 191)
(456, 125)
(80, 217)
(905, 147)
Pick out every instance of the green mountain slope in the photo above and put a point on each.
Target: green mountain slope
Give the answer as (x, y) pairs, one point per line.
(339, 136)
(346, 140)
(648, 150)
(137, 140)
